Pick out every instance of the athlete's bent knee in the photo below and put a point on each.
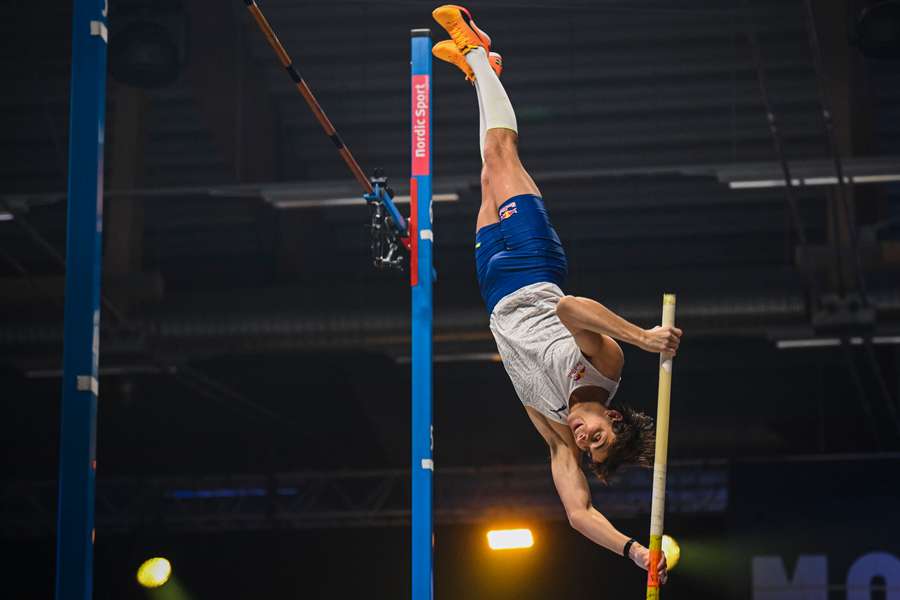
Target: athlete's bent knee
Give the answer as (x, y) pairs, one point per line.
(565, 307)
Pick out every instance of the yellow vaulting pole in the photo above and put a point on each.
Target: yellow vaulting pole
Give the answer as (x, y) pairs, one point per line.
(658, 506)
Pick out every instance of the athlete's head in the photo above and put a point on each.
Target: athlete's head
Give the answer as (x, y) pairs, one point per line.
(612, 437)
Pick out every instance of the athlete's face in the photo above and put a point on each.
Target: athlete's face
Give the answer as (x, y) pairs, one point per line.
(592, 427)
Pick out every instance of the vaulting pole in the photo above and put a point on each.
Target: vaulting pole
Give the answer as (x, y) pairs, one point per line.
(421, 279)
(81, 337)
(658, 506)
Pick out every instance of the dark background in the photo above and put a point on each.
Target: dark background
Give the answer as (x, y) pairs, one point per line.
(252, 343)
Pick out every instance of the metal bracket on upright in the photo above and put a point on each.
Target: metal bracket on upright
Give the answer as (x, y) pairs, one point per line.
(389, 230)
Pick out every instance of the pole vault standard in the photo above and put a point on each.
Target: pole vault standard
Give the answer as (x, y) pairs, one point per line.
(658, 505)
(81, 342)
(421, 278)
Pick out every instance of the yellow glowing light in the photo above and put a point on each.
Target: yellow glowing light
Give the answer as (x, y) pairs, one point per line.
(508, 539)
(672, 551)
(154, 572)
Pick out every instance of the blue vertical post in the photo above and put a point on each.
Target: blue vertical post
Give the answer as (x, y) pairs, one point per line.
(421, 240)
(78, 421)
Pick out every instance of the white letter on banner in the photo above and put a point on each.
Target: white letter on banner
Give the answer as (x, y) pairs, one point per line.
(810, 581)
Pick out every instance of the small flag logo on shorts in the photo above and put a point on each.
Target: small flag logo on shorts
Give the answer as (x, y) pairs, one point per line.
(508, 211)
(478, 245)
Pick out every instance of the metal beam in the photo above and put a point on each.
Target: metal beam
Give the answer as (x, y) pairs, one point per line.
(306, 193)
(373, 498)
(376, 498)
(201, 333)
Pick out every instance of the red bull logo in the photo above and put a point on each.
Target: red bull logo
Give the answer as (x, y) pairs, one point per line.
(508, 210)
(577, 373)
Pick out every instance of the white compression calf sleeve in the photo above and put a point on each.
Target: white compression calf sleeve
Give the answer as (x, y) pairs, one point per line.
(481, 129)
(496, 107)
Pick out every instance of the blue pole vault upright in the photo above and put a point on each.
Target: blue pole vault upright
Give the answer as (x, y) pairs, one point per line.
(421, 280)
(78, 422)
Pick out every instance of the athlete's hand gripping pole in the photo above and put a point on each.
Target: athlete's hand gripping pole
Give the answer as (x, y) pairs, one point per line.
(658, 506)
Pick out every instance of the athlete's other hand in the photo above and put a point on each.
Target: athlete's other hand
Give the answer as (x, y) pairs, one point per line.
(641, 557)
(661, 339)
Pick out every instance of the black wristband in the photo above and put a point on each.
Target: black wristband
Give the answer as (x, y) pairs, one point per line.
(628, 547)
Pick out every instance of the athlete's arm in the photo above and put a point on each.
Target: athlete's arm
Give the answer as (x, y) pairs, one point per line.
(575, 494)
(583, 314)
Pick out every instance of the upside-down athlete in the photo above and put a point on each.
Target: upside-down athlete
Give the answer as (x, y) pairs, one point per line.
(559, 351)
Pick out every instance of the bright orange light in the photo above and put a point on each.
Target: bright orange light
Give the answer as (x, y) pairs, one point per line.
(508, 539)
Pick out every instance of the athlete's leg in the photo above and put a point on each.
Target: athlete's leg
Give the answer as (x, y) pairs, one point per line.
(487, 213)
(515, 243)
(502, 174)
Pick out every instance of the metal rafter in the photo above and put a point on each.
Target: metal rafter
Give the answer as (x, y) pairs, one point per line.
(377, 498)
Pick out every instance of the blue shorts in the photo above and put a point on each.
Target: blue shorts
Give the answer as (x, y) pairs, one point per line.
(521, 249)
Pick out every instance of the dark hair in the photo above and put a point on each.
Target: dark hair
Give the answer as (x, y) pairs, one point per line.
(635, 443)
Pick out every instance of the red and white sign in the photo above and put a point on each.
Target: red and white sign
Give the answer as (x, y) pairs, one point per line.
(421, 125)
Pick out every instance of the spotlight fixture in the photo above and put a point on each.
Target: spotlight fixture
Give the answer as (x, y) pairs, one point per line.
(510, 539)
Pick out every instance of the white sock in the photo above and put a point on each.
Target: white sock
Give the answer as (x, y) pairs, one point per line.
(495, 104)
(481, 129)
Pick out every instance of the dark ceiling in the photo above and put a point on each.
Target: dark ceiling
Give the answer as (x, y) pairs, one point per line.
(248, 338)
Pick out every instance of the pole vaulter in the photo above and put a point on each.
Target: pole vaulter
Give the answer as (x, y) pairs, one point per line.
(390, 234)
(561, 352)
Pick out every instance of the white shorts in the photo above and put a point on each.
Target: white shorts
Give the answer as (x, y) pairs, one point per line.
(541, 357)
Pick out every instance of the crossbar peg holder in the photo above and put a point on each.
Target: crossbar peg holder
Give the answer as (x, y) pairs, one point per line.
(389, 230)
